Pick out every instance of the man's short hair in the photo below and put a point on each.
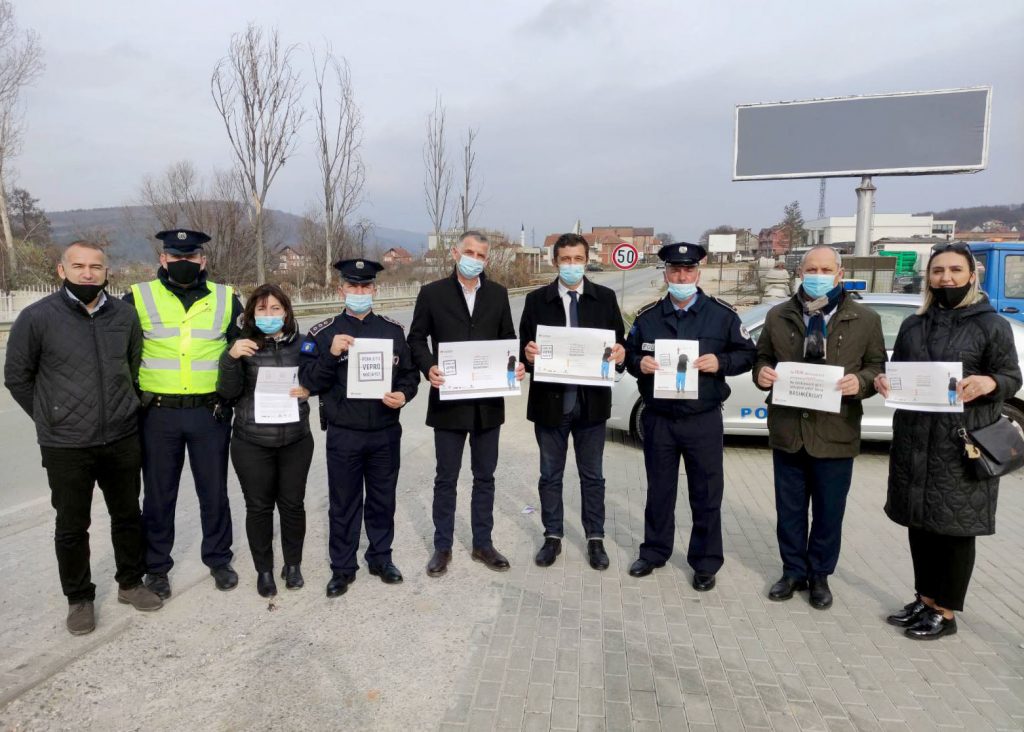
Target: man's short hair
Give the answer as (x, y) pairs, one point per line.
(839, 257)
(568, 240)
(474, 234)
(84, 244)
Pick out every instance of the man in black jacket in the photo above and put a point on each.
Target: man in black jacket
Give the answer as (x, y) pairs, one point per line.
(72, 359)
(558, 410)
(463, 307)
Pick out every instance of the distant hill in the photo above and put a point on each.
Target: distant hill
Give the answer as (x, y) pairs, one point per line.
(130, 230)
(969, 217)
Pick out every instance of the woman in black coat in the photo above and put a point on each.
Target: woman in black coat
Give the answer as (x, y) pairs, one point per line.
(932, 489)
(271, 458)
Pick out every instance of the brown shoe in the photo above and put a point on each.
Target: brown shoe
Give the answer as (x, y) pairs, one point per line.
(140, 597)
(491, 558)
(438, 563)
(81, 618)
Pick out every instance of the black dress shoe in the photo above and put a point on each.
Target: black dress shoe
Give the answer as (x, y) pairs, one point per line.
(491, 558)
(439, 562)
(597, 555)
(821, 595)
(909, 615)
(643, 567)
(158, 583)
(339, 584)
(265, 584)
(224, 577)
(703, 581)
(292, 576)
(387, 572)
(785, 587)
(547, 553)
(930, 626)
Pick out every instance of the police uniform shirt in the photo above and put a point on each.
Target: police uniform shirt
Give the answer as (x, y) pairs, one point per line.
(709, 321)
(326, 375)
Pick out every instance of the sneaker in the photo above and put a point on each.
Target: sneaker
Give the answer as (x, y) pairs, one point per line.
(81, 618)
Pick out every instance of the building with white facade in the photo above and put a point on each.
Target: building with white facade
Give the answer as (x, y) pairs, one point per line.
(836, 230)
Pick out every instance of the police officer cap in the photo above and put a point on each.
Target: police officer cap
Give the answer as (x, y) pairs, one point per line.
(182, 241)
(682, 253)
(358, 271)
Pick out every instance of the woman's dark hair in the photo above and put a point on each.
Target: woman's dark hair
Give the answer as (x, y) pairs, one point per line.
(259, 296)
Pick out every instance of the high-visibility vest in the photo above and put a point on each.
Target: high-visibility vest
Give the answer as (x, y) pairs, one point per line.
(181, 349)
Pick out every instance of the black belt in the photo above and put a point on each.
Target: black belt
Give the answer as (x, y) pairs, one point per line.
(183, 401)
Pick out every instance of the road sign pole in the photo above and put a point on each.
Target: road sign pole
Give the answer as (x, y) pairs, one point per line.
(622, 292)
(865, 202)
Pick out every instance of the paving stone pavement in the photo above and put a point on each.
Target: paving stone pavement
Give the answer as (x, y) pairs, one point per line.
(563, 647)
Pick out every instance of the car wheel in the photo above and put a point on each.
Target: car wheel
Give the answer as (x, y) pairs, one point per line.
(1016, 415)
(636, 425)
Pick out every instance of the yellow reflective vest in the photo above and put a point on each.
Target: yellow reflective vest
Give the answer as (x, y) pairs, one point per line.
(181, 349)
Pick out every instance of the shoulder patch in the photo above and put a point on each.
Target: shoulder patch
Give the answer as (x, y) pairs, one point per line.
(722, 302)
(393, 322)
(646, 307)
(308, 347)
(320, 326)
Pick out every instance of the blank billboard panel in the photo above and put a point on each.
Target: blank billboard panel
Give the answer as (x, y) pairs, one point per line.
(891, 134)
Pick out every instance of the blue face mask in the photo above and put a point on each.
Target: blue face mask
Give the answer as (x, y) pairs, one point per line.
(269, 324)
(570, 274)
(469, 267)
(818, 285)
(359, 304)
(682, 292)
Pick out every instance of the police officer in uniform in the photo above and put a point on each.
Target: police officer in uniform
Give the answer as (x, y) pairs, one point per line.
(688, 427)
(363, 435)
(187, 322)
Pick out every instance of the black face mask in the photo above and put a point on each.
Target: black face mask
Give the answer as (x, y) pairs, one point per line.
(950, 297)
(85, 293)
(183, 272)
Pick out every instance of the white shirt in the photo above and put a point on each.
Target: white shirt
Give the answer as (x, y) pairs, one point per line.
(563, 292)
(470, 294)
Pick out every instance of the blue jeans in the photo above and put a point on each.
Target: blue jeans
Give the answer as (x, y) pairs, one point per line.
(803, 481)
(680, 381)
(588, 444)
(604, 369)
(511, 379)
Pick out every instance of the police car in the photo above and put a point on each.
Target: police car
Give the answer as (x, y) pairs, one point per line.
(745, 410)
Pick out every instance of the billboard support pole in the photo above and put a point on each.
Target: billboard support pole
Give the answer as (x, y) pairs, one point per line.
(865, 204)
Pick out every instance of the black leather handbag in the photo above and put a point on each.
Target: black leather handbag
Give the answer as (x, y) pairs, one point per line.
(995, 450)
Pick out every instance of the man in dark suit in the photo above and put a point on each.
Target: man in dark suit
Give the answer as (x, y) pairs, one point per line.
(465, 306)
(560, 410)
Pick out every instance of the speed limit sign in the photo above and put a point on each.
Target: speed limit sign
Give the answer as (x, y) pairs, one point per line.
(625, 256)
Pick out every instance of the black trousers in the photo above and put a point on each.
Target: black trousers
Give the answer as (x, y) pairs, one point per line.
(803, 481)
(483, 450)
(165, 435)
(362, 471)
(942, 566)
(273, 476)
(72, 472)
(698, 439)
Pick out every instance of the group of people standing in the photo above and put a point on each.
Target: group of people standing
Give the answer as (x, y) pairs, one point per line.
(115, 387)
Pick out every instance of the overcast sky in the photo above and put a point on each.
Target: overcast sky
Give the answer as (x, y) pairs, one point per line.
(611, 112)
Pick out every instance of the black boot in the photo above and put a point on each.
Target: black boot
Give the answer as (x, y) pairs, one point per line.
(292, 576)
(265, 584)
(546, 555)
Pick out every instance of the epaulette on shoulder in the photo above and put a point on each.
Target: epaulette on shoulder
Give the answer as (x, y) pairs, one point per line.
(393, 322)
(646, 307)
(723, 303)
(320, 326)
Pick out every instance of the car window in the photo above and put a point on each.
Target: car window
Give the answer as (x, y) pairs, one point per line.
(982, 259)
(1013, 282)
(892, 316)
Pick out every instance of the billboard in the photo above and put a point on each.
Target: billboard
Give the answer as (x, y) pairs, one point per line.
(721, 243)
(889, 134)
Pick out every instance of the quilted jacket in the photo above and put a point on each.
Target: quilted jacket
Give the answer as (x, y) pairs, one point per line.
(237, 380)
(930, 485)
(75, 374)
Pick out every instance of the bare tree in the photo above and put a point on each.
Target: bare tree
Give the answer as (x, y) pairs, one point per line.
(257, 93)
(21, 61)
(437, 182)
(470, 188)
(339, 138)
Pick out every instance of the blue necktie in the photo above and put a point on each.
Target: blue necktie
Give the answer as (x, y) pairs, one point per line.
(569, 395)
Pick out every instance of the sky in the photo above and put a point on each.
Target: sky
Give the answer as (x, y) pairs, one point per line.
(614, 113)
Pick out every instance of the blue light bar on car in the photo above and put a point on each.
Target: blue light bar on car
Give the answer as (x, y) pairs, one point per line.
(855, 285)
